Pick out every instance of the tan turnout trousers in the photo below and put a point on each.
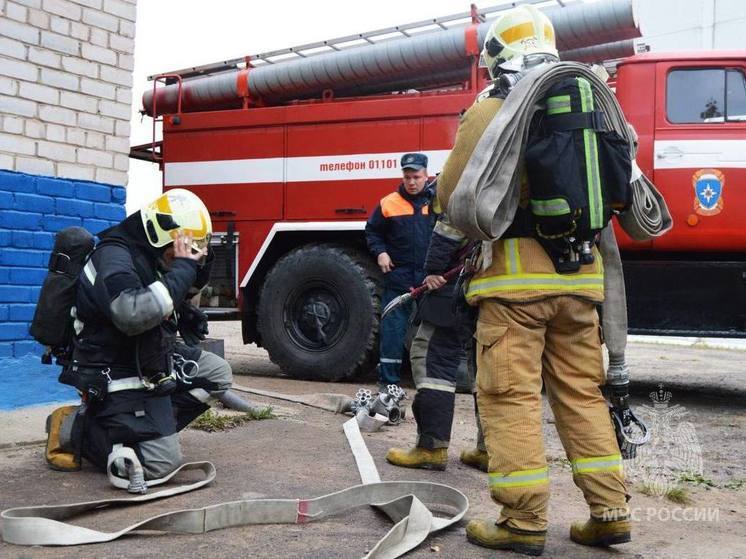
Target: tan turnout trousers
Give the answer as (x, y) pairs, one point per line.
(555, 340)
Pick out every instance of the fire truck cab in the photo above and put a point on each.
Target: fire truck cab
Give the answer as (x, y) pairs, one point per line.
(689, 110)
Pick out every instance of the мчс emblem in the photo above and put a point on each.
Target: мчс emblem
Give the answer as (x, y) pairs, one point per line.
(708, 191)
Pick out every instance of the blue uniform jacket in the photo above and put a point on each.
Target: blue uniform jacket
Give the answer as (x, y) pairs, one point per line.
(401, 226)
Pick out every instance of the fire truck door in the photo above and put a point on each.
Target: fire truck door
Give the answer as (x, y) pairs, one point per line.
(700, 154)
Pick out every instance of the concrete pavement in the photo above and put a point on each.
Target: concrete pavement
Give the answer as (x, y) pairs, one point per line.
(304, 454)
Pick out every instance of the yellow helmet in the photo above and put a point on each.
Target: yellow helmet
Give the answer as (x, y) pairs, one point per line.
(174, 211)
(518, 32)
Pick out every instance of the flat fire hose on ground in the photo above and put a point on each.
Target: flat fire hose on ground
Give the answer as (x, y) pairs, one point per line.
(404, 502)
(329, 401)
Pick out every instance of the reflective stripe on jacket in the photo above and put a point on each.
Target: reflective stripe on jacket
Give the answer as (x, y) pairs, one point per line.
(522, 271)
(122, 297)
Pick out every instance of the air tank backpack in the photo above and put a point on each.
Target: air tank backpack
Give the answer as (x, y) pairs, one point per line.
(579, 174)
(52, 325)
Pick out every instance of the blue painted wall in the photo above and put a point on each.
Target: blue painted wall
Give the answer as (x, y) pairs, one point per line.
(32, 210)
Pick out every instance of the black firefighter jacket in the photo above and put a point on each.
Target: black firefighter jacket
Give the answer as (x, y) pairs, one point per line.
(125, 303)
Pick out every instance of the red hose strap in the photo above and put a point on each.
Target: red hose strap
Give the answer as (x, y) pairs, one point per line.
(471, 41)
(242, 83)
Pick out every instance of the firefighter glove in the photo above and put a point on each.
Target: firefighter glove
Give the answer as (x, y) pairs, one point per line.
(192, 324)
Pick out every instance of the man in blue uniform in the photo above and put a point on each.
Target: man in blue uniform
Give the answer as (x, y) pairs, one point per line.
(398, 234)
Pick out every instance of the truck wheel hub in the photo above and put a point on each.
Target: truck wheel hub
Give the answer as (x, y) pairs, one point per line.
(315, 317)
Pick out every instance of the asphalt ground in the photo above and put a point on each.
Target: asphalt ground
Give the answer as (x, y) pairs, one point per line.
(303, 453)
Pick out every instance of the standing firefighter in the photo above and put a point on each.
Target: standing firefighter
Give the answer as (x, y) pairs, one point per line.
(537, 323)
(398, 233)
(438, 349)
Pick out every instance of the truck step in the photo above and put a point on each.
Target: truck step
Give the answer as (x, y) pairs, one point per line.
(222, 313)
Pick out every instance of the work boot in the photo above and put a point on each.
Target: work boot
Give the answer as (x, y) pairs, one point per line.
(59, 454)
(600, 533)
(489, 534)
(476, 458)
(418, 457)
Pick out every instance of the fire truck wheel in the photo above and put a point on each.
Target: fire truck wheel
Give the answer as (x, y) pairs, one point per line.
(318, 312)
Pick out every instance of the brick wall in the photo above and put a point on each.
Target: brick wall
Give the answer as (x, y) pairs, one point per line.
(32, 210)
(65, 102)
(66, 87)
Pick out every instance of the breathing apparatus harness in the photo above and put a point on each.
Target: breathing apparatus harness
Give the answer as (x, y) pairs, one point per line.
(578, 169)
(182, 371)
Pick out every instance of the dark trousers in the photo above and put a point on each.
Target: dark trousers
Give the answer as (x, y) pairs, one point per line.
(438, 353)
(149, 423)
(391, 338)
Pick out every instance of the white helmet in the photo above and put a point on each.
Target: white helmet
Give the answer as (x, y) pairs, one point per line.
(518, 32)
(174, 211)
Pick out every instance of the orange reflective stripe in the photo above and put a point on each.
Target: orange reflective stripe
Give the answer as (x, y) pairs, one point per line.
(425, 210)
(395, 205)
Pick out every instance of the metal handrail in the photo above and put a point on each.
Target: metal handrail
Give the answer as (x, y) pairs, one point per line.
(163, 77)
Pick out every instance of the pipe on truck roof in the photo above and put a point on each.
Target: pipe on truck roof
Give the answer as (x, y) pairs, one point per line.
(596, 53)
(421, 61)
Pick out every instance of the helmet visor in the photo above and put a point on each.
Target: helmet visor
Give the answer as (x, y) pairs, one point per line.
(192, 223)
(199, 245)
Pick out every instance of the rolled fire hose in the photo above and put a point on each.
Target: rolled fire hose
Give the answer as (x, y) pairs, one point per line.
(330, 401)
(370, 420)
(404, 502)
(486, 197)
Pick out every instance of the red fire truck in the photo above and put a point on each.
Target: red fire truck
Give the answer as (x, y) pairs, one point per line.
(291, 158)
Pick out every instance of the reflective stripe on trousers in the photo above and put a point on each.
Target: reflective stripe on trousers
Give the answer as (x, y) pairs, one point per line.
(611, 463)
(556, 343)
(392, 334)
(436, 355)
(521, 478)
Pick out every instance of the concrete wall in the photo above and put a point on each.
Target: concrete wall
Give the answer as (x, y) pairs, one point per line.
(65, 98)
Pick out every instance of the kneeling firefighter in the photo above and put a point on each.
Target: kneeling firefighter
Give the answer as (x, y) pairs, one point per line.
(442, 341)
(139, 386)
(537, 288)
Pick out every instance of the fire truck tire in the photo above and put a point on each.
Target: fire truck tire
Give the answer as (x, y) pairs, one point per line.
(319, 311)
